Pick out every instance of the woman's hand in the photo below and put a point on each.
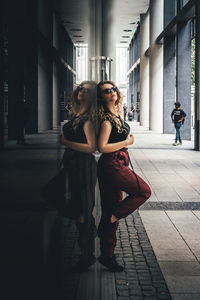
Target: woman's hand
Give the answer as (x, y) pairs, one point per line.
(130, 139)
(63, 141)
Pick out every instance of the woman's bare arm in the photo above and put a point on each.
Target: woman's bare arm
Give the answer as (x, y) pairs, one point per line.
(106, 147)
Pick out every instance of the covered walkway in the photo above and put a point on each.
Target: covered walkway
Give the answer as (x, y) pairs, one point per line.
(158, 245)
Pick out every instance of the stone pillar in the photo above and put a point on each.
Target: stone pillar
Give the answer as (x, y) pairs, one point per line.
(45, 19)
(15, 63)
(102, 47)
(109, 34)
(168, 83)
(31, 66)
(183, 91)
(169, 69)
(197, 79)
(44, 91)
(144, 70)
(156, 67)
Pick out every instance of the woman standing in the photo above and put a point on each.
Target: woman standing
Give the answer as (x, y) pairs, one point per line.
(79, 140)
(114, 174)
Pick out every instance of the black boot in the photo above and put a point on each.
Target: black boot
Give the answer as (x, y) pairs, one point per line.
(110, 263)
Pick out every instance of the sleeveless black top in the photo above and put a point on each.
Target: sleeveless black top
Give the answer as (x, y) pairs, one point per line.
(117, 135)
(75, 135)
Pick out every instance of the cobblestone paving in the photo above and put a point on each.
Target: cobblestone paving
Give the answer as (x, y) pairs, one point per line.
(170, 206)
(142, 278)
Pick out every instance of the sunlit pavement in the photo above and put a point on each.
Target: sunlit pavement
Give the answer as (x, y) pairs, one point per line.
(171, 216)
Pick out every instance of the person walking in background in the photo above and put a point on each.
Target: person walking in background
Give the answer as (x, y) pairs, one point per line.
(178, 117)
(114, 175)
(133, 109)
(125, 108)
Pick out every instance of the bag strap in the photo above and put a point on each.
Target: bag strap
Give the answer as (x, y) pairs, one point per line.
(138, 183)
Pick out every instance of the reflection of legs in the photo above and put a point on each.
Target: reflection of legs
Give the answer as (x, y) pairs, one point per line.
(86, 243)
(106, 230)
(86, 237)
(87, 230)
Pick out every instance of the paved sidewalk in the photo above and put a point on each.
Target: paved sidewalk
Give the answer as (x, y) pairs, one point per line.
(158, 244)
(171, 216)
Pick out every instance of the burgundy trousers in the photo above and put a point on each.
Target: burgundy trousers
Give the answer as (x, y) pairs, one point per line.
(114, 177)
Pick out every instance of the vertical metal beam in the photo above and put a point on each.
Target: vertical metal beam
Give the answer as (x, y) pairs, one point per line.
(197, 78)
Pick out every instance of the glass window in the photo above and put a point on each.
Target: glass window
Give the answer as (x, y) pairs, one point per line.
(182, 3)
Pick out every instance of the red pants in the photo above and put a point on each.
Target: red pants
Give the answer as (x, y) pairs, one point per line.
(115, 176)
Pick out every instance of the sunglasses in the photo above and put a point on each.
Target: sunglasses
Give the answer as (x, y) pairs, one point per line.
(109, 91)
(84, 90)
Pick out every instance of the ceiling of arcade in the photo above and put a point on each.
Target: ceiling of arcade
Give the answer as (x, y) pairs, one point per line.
(76, 15)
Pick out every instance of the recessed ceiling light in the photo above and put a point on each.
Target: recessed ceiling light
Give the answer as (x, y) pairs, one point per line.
(74, 29)
(125, 36)
(127, 30)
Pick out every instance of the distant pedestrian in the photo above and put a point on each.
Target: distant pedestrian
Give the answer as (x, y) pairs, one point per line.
(178, 118)
(133, 109)
(125, 108)
(130, 116)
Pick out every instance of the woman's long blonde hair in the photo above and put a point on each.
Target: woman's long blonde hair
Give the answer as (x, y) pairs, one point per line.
(89, 114)
(103, 111)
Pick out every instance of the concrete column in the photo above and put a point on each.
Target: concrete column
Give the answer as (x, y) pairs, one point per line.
(168, 83)
(31, 67)
(109, 34)
(15, 63)
(169, 70)
(184, 75)
(156, 67)
(144, 70)
(45, 22)
(44, 91)
(197, 78)
(102, 40)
